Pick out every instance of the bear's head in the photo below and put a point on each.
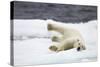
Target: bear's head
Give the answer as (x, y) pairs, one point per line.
(80, 45)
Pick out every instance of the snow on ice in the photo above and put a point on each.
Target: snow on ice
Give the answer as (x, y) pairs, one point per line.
(32, 39)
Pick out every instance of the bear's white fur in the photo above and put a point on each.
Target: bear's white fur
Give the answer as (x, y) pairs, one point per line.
(71, 38)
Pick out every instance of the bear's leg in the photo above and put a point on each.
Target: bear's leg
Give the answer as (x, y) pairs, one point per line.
(54, 46)
(60, 49)
(57, 38)
(55, 27)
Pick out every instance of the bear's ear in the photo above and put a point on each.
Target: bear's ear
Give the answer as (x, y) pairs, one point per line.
(49, 26)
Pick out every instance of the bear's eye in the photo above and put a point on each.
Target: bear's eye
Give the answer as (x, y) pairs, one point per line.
(78, 49)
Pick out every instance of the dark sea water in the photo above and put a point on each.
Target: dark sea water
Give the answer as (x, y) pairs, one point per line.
(58, 12)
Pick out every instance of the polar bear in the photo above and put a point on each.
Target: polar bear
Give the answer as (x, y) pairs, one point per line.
(71, 38)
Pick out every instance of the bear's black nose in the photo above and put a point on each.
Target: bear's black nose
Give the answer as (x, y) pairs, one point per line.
(78, 49)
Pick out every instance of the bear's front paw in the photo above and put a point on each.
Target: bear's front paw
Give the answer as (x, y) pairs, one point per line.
(55, 38)
(53, 48)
